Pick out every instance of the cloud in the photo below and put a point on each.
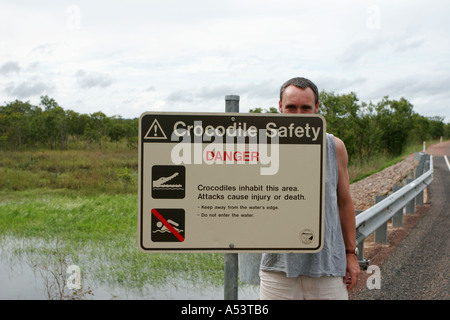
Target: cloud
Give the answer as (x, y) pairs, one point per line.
(211, 97)
(358, 50)
(212, 92)
(416, 85)
(28, 89)
(46, 48)
(180, 96)
(339, 83)
(262, 89)
(409, 44)
(90, 80)
(9, 67)
(196, 52)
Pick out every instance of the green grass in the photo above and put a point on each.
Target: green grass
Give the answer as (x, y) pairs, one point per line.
(359, 170)
(72, 217)
(88, 172)
(363, 169)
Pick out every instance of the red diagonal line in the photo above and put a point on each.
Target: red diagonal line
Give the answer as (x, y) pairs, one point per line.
(168, 225)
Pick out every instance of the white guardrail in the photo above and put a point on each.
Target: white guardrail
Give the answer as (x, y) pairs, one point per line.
(374, 220)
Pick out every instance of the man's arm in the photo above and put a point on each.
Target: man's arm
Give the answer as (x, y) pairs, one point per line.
(347, 214)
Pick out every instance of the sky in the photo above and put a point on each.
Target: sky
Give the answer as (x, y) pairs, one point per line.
(124, 58)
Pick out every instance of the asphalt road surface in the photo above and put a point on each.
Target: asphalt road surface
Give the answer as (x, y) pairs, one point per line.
(418, 267)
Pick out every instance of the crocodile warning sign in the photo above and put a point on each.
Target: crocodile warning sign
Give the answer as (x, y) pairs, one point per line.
(231, 182)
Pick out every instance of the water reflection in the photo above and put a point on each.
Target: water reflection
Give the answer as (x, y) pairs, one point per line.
(24, 275)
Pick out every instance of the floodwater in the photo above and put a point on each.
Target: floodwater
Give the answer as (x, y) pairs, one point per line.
(20, 279)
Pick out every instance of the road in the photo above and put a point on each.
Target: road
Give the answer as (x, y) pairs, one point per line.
(417, 269)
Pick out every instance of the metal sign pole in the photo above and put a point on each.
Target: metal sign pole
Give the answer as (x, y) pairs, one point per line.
(231, 259)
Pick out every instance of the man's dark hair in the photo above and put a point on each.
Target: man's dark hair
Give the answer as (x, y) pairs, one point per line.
(301, 83)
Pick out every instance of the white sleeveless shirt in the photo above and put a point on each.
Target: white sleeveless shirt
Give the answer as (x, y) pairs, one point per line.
(331, 260)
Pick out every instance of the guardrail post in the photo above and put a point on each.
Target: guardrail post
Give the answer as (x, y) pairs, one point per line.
(420, 169)
(231, 268)
(360, 255)
(363, 263)
(419, 199)
(411, 206)
(397, 219)
(380, 235)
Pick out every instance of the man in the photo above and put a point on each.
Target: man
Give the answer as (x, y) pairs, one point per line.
(332, 272)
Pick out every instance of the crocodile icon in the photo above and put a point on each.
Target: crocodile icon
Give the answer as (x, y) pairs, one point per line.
(160, 183)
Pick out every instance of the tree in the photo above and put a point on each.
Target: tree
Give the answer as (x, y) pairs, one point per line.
(117, 129)
(447, 130)
(367, 132)
(436, 127)
(15, 121)
(261, 110)
(395, 120)
(56, 123)
(341, 113)
(366, 128)
(97, 128)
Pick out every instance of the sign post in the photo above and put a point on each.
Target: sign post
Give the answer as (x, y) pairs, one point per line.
(231, 182)
(231, 260)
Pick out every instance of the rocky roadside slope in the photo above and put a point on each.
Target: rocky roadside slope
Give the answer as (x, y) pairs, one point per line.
(364, 191)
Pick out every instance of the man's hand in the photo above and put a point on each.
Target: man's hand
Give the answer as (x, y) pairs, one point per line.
(353, 271)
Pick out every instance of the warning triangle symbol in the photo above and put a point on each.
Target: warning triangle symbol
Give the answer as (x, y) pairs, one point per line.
(155, 131)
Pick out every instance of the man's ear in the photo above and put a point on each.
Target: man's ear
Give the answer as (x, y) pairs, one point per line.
(316, 107)
(280, 107)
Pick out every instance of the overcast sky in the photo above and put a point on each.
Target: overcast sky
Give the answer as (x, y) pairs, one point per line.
(127, 57)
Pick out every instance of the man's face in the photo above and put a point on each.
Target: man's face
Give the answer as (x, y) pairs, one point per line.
(297, 100)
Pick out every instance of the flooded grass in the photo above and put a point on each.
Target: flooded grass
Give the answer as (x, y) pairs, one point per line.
(98, 233)
(86, 201)
(38, 269)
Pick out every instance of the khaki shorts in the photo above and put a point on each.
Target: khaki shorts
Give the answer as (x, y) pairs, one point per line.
(276, 286)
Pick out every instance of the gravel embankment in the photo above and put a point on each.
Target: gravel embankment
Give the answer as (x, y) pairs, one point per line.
(381, 183)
